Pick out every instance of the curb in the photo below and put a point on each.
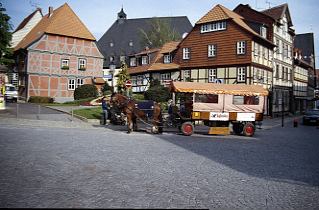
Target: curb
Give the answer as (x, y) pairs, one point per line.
(77, 116)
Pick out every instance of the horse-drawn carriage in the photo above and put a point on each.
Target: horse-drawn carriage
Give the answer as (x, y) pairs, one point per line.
(217, 106)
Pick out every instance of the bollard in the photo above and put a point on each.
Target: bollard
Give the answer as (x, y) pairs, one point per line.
(295, 122)
(17, 110)
(71, 114)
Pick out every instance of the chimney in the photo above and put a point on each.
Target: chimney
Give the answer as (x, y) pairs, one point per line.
(50, 11)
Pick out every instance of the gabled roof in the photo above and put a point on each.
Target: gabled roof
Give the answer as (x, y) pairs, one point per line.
(156, 64)
(278, 12)
(63, 21)
(27, 19)
(124, 31)
(220, 12)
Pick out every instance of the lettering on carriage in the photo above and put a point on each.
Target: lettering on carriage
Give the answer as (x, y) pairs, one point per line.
(219, 116)
(246, 116)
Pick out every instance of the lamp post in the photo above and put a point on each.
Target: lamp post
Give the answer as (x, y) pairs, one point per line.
(112, 69)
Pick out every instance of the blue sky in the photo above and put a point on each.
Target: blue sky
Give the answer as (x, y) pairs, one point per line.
(99, 15)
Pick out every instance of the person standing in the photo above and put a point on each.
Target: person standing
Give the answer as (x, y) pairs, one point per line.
(105, 112)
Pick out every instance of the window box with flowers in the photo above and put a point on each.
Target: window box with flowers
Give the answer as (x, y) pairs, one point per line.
(65, 64)
(82, 64)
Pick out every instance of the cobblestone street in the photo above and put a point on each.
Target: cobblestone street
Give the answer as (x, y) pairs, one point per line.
(96, 167)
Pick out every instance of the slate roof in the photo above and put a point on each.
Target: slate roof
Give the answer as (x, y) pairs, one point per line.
(124, 31)
(219, 12)
(305, 42)
(63, 21)
(156, 64)
(278, 12)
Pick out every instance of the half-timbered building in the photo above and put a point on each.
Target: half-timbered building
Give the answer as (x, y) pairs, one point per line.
(153, 64)
(56, 56)
(223, 48)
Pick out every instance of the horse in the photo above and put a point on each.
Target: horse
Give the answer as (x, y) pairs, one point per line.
(128, 107)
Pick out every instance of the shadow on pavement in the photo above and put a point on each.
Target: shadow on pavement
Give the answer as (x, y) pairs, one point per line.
(270, 154)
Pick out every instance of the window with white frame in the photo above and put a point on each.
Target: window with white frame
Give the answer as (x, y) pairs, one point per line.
(65, 64)
(241, 47)
(165, 76)
(217, 26)
(212, 75)
(133, 61)
(256, 49)
(187, 75)
(139, 80)
(79, 82)
(212, 50)
(71, 84)
(241, 74)
(186, 53)
(82, 64)
(144, 60)
(167, 58)
(263, 31)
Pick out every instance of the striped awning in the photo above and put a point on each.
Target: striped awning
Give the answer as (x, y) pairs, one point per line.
(215, 88)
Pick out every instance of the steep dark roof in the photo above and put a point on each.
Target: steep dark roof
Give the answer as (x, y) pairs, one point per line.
(278, 12)
(26, 20)
(122, 32)
(305, 42)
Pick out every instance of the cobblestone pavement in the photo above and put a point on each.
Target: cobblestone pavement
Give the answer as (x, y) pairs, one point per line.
(55, 166)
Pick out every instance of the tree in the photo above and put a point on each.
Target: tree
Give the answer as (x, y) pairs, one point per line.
(157, 92)
(123, 76)
(159, 34)
(5, 38)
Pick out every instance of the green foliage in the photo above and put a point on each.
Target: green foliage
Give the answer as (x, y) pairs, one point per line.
(160, 33)
(138, 97)
(6, 57)
(106, 87)
(40, 99)
(90, 113)
(157, 92)
(85, 91)
(123, 76)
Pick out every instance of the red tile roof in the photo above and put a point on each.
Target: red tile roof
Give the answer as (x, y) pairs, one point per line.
(63, 21)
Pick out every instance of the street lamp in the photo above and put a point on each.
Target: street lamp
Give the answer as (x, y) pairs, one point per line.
(112, 69)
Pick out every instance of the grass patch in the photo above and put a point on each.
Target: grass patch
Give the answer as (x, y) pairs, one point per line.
(89, 113)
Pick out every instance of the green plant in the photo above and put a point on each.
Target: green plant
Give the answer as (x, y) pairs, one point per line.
(106, 87)
(90, 113)
(157, 92)
(85, 91)
(123, 76)
(138, 97)
(65, 68)
(40, 99)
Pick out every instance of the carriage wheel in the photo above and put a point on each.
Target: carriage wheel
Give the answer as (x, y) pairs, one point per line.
(187, 128)
(238, 128)
(249, 129)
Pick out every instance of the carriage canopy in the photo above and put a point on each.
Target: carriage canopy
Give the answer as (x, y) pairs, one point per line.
(214, 88)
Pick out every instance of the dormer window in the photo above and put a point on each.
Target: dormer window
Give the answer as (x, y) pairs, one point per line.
(167, 58)
(217, 26)
(144, 60)
(263, 31)
(111, 44)
(133, 61)
(130, 43)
